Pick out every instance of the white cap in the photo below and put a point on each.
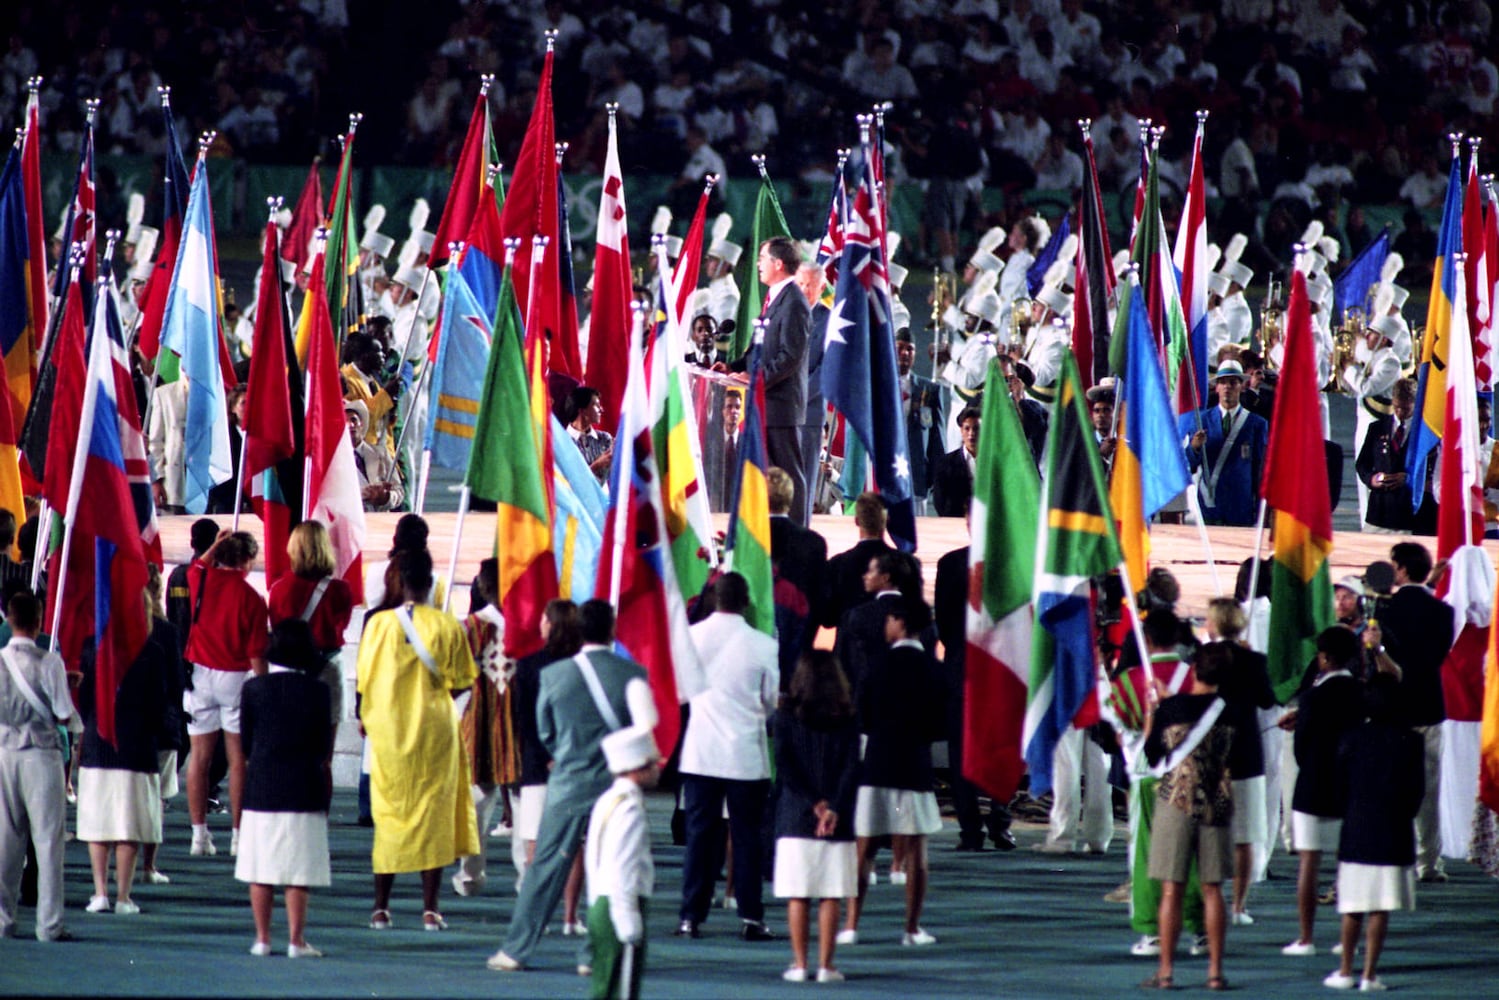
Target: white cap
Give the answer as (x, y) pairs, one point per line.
(673, 247)
(988, 307)
(1218, 283)
(1236, 273)
(1318, 287)
(897, 276)
(725, 251)
(1055, 299)
(1353, 583)
(698, 305)
(1398, 296)
(411, 277)
(288, 270)
(629, 749)
(985, 261)
(378, 244)
(1388, 326)
(424, 239)
(900, 316)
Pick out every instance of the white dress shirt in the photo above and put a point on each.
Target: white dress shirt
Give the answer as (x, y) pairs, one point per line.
(617, 857)
(726, 730)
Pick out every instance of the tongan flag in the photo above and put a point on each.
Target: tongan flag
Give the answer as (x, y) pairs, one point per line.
(636, 572)
(275, 440)
(858, 368)
(1351, 288)
(1431, 375)
(1093, 279)
(1190, 259)
(610, 322)
(470, 180)
(332, 493)
(1006, 495)
(190, 329)
(106, 529)
(1295, 487)
(747, 545)
(457, 376)
(1075, 542)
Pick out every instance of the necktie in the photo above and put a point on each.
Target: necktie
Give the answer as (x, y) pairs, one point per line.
(1228, 422)
(1398, 441)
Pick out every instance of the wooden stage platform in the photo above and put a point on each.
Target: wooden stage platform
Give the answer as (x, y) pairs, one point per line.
(1176, 547)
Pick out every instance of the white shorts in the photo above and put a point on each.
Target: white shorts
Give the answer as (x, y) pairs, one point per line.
(1314, 833)
(1249, 810)
(213, 703)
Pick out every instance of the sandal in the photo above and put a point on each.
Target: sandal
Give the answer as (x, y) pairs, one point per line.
(380, 920)
(1158, 982)
(1218, 983)
(432, 921)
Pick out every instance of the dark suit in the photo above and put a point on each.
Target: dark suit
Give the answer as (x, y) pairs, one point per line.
(1391, 508)
(924, 432)
(783, 360)
(952, 485)
(816, 405)
(693, 358)
(951, 615)
(800, 557)
(843, 582)
(861, 647)
(1034, 421)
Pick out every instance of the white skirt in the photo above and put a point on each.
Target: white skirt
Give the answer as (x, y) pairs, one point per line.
(118, 805)
(533, 798)
(882, 811)
(1314, 833)
(166, 767)
(1375, 888)
(283, 848)
(815, 868)
(1249, 810)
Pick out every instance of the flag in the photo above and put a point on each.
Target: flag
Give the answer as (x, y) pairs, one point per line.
(636, 572)
(50, 437)
(1488, 752)
(174, 193)
(1162, 299)
(1035, 275)
(36, 230)
(1006, 497)
(275, 441)
(1475, 271)
(684, 275)
(16, 332)
(331, 488)
(1351, 288)
(531, 210)
(341, 252)
(768, 222)
(470, 180)
(858, 368)
(1093, 279)
(190, 329)
(1148, 468)
(80, 224)
(1295, 486)
(830, 249)
(567, 292)
(1075, 542)
(610, 321)
(1436, 343)
(1488, 286)
(505, 466)
(747, 545)
(106, 532)
(577, 519)
(1190, 261)
(457, 376)
(482, 264)
(306, 217)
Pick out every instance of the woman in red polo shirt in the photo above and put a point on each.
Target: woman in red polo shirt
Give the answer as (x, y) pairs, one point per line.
(312, 593)
(227, 643)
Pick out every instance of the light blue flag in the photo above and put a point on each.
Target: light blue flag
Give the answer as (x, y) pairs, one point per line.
(578, 525)
(1149, 429)
(190, 329)
(457, 375)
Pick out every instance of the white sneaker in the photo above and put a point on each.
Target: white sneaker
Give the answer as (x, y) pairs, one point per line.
(795, 974)
(1337, 981)
(501, 962)
(829, 976)
(847, 936)
(464, 886)
(203, 846)
(302, 951)
(575, 929)
(730, 903)
(234, 843)
(1243, 919)
(156, 878)
(260, 949)
(501, 829)
(127, 907)
(1146, 947)
(98, 904)
(1299, 949)
(1199, 946)
(897, 878)
(1371, 985)
(918, 939)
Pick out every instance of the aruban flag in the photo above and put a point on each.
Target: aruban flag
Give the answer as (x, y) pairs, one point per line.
(175, 185)
(1148, 469)
(610, 322)
(636, 572)
(306, 217)
(1093, 278)
(332, 493)
(457, 384)
(1001, 560)
(1295, 487)
(579, 510)
(1075, 542)
(470, 179)
(747, 546)
(768, 222)
(275, 441)
(108, 559)
(1436, 344)
(1475, 271)
(1190, 258)
(505, 467)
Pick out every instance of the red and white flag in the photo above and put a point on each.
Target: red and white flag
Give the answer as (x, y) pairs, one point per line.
(611, 320)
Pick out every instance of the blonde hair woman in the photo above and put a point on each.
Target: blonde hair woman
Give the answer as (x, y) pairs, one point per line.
(312, 593)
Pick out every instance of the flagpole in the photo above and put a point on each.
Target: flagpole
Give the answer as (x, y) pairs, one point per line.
(1195, 507)
(1254, 570)
(320, 237)
(239, 480)
(463, 496)
(43, 537)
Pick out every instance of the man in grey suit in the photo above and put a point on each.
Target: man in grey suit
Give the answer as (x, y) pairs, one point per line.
(581, 701)
(783, 359)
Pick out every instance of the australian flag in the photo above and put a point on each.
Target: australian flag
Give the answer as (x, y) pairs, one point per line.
(858, 371)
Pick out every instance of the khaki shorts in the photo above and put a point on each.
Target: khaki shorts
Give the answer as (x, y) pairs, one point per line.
(213, 702)
(1176, 837)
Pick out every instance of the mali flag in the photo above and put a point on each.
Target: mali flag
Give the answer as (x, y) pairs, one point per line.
(1296, 487)
(747, 546)
(505, 466)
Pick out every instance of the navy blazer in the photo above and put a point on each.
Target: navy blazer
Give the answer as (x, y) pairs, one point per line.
(783, 358)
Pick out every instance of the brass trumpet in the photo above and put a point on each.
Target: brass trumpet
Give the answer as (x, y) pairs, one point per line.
(1272, 324)
(1344, 345)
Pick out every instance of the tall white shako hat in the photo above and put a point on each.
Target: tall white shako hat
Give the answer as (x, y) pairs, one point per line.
(719, 245)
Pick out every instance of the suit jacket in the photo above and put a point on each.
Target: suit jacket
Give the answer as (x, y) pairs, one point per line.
(800, 557)
(1392, 508)
(1325, 713)
(843, 583)
(816, 343)
(924, 432)
(1236, 496)
(571, 727)
(691, 358)
(1034, 421)
(788, 323)
(1417, 630)
(950, 613)
(861, 648)
(952, 485)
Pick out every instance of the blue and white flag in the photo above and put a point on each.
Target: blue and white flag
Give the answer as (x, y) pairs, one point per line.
(1351, 288)
(457, 375)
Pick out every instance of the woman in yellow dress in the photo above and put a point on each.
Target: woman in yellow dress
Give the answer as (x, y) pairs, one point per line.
(413, 661)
